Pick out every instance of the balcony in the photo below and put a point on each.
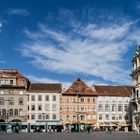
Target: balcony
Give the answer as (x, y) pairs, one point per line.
(135, 71)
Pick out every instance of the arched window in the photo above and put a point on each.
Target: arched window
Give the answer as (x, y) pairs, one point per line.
(16, 112)
(4, 112)
(11, 112)
(21, 101)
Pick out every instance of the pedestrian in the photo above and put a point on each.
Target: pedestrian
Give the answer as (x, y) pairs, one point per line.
(110, 129)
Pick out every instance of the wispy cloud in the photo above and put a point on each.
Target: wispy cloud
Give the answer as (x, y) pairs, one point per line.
(15, 11)
(65, 84)
(1, 26)
(91, 49)
(2, 61)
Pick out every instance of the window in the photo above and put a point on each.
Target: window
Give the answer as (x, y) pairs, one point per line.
(126, 107)
(0, 113)
(54, 107)
(74, 100)
(47, 107)
(94, 109)
(16, 112)
(93, 100)
(7, 82)
(11, 82)
(113, 108)
(74, 117)
(39, 98)
(54, 117)
(61, 108)
(120, 117)
(88, 100)
(107, 108)
(100, 108)
(20, 112)
(54, 97)
(67, 108)
(21, 92)
(126, 117)
(1, 82)
(32, 107)
(4, 112)
(33, 97)
(47, 97)
(107, 117)
(82, 109)
(10, 91)
(67, 100)
(11, 112)
(67, 118)
(39, 117)
(39, 107)
(20, 101)
(82, 100)
(11, 101)
(47, 117)
(119, 107)
(113, 117)
(100, 117)
(74, 108)
(1, 101)
(82, 117)
(21, 81)
(32, 117)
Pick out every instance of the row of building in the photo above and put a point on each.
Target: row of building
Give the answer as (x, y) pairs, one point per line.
(46, 106)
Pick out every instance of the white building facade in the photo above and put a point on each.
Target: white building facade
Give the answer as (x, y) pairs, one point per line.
(43, 106)
(113, 107)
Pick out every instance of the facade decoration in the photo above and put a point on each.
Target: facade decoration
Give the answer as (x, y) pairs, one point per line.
(135, 98)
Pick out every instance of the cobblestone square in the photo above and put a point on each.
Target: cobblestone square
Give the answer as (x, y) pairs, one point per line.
(70, 136)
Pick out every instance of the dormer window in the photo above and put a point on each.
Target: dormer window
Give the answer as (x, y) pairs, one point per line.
(21, 81)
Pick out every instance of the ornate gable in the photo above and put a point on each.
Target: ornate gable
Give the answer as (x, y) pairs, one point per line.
(79, 87)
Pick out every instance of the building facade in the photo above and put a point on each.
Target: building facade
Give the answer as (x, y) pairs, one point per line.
(114, 107)
(78, 106)
(13, 96)
(135, 98)
(43, 106)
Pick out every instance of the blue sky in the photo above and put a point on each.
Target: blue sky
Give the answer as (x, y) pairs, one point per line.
(59, 40)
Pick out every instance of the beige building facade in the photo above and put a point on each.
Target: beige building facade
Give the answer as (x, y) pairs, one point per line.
(13, 96)
(135, 98)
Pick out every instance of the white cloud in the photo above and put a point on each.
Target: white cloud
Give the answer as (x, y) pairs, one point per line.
(91, 49)
(15, 11)
(2, 61)
(35, 79)
(1, 25)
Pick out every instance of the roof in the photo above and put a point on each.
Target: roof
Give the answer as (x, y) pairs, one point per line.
(12, 73)
(122, 91)
(46, 87)
(79, 88)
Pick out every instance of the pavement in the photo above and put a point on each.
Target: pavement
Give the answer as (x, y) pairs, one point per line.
(70, 136)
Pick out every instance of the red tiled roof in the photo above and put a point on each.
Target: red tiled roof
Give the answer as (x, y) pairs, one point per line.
(124, 91)
(12, 72)
(79, 88)
(46, 87)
